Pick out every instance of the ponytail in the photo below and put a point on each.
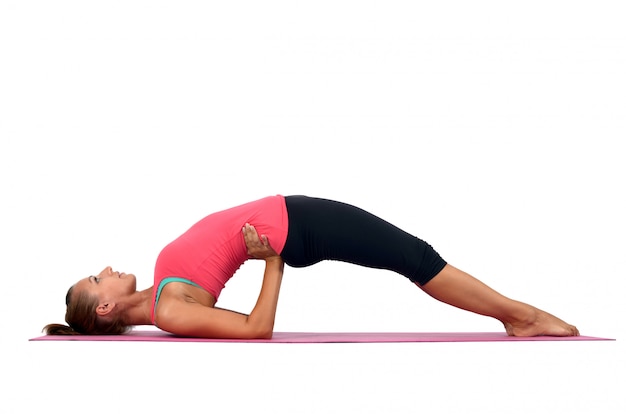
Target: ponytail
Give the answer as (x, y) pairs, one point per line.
(59, 329)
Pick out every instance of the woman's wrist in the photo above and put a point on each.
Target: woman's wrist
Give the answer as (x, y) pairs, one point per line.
(274, 259)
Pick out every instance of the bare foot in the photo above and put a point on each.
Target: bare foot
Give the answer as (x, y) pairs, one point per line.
(539, 323)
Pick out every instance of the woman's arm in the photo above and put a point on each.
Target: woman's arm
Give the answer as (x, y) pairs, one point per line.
(264, 312)
(193, 319)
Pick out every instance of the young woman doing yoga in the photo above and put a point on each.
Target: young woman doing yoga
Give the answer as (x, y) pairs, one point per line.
(299, 231)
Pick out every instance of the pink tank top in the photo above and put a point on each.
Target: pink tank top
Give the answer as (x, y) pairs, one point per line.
(211, 251)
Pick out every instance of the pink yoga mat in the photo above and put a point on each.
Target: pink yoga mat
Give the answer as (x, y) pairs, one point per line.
(325, 337)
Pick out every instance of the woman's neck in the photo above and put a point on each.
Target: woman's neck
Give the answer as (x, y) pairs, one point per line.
(139, 308)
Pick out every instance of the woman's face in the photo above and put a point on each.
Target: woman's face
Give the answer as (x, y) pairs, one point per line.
(108, 285)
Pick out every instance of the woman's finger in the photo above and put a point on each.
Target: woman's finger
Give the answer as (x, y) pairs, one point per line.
(251, 236)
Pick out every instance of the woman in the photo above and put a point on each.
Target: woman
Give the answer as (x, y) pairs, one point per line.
(300, 231)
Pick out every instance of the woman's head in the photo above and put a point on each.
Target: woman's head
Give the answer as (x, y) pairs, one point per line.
(95, 305)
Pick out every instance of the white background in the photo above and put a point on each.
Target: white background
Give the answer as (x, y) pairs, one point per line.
(494, 131)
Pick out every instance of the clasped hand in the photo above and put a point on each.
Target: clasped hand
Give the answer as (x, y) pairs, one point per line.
(257, 247)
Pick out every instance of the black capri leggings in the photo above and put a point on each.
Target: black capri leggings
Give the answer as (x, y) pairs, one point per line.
(322, 229)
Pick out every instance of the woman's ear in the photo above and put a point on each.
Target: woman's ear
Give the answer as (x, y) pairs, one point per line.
(105, 308)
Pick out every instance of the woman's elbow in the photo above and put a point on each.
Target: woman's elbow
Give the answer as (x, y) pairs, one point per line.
(264, 333)
(267, 335)
(259, 330)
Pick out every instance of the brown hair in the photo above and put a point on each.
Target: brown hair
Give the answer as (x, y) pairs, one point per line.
(82, 318)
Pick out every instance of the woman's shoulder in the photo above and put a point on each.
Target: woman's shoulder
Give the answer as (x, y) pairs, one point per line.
(176, 297)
